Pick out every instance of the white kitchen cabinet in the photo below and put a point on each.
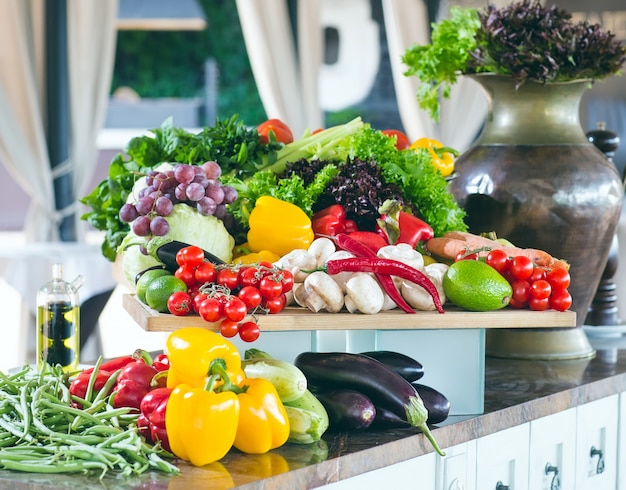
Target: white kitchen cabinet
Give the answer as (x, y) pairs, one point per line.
(457, 469)
(413, 473)
(502, 459)
(596, 444)
(552, 455)
(621, 444)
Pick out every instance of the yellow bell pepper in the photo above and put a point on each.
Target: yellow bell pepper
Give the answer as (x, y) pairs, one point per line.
(195, 352)
(441, 157)
(201, 424)
(278, 226)
(263, 420)
(244, 256)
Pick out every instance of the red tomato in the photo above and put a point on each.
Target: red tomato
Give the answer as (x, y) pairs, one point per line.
(270, 287)
(465, 255)
(558, 278)
(521, 291)
(281, 131)
(235, 309)
(249, 276)
(251, 296)
(229, 328)
(540, 289)
(537, 275)
(190, 255)
(228, 278)
(197, 301)
(517, 304)
(402, 141)
(205, 272)
(286, 277)
(179, 303)
(521, 267)
(211, 310)
(275, 305)
(186, 273)
(249, 331)
(498, 259)
(560, 300)
(538, 304)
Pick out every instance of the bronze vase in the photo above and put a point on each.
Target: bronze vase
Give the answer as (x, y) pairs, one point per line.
(534, 178)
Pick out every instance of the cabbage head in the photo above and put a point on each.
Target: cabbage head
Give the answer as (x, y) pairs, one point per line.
(186, 225)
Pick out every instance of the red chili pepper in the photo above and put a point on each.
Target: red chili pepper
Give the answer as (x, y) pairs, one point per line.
(389, 267)
(151, 422)
(370, 239)
(358, 248)
(111, 366)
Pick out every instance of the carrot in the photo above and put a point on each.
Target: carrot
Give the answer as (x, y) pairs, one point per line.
(455, 242)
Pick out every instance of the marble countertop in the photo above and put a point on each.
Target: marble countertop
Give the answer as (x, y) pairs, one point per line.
(516, 391)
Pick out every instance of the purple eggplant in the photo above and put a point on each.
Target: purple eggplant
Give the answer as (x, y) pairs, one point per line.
(347, 409)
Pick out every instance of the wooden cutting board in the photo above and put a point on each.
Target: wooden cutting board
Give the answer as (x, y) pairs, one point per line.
(296, 318)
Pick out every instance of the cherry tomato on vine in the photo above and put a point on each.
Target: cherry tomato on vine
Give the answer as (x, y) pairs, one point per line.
(561, 300)
(513, 303)
(540, 289)
(538, 304)
(205, 272)
(228, 278)
(186, 274)
(190, 255)
(249, 331)
(251, 296)
(286, 278)
(270, 287)
(211, 310)
(465, 255)
(537, 275)
(558, 278)
(179, 303)
(521, 291)
(498, 259)
(249, 276)
(275, 305)
(229, 328)
(521, 267)
(235, 309)
(197, 301)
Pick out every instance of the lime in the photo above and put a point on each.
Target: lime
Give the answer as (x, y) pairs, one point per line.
(160, 289)
(145, 279)
(475, 286)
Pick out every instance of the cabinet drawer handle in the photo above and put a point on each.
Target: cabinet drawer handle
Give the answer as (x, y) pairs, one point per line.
(555, 484)
(598, 452)
(501, 486)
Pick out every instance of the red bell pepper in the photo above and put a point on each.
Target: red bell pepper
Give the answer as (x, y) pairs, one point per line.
(151, 421)
(331, 221)
(399, 226)
(133, 383)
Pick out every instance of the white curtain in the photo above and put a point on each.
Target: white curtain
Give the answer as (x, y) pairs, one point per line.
(462, 115)
(23, 148)
(286, 77)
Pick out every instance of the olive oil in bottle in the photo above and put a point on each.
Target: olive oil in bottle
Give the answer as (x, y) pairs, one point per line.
(58, 321)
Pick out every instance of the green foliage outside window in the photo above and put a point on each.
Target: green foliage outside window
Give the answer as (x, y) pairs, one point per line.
(161, 64)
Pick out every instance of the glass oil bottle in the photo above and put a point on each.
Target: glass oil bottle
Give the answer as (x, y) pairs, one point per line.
(58, 321)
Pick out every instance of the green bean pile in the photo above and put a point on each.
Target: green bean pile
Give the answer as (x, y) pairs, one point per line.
(41, 432)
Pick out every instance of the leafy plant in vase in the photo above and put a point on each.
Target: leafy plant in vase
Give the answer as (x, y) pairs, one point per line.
(532, 176)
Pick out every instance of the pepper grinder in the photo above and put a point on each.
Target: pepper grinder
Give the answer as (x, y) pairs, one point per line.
(58, 321)
(603, 310)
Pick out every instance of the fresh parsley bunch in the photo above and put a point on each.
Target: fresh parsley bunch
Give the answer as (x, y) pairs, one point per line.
(524, 40)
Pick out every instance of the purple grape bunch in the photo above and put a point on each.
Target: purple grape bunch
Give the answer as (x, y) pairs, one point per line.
(195, 185)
